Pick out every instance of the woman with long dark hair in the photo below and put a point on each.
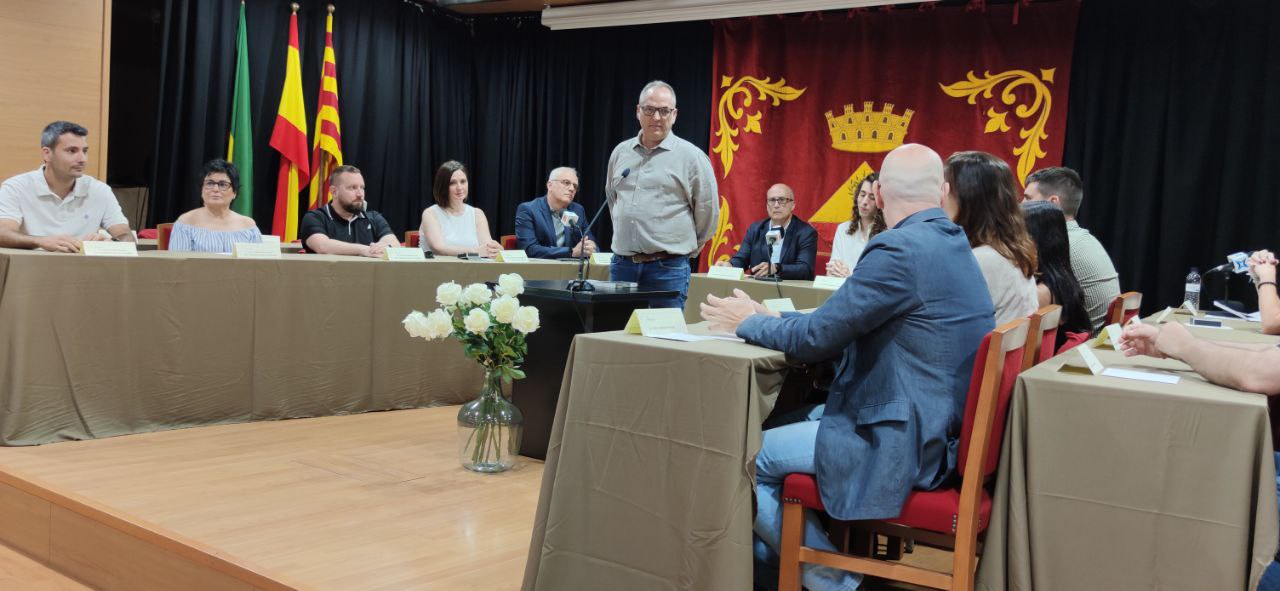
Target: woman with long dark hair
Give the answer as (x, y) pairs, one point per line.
(852, 236)
(1056, 283)
(983, 199)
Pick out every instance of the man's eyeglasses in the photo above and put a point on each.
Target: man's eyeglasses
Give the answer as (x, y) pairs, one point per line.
(662, 112)
(568, 183)
(219, 185)
(779, 200)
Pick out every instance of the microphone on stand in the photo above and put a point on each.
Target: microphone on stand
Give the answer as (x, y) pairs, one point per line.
(774, 238)
(580, 284)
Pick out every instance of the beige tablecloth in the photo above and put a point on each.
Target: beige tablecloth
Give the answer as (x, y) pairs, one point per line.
(802, 293)
(93, 347)
(1106, 483)
(649, 472)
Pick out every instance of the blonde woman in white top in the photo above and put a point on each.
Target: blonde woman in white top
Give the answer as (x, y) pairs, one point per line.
(451, 227)
(983, 199)
(852, 236)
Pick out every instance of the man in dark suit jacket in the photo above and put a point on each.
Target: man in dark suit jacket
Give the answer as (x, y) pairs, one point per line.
(540, 230)
(799, 241)
(907, 327)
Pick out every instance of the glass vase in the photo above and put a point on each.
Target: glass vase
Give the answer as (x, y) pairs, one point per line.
(489, 429)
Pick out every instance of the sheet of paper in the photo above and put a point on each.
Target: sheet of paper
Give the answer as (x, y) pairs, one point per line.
(1144, 376)
(1163, 315)
(272, 239)
(828, 282)
(717, 272)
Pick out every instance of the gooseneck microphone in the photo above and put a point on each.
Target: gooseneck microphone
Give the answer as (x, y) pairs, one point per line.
(580, 284)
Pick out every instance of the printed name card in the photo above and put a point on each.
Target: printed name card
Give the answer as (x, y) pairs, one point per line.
(828, 282)
(255, 250)
(724, 272)
(403, 253)
(513, 256)
(779, 305)
(267, 238)
(94, 248)
(1092, 365)
(656, 321)
(1164, 315)
(602, 258)
(1188, 308)
(1109, 338)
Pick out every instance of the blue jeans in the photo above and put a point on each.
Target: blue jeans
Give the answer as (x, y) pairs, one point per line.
(1271, 577)
(787, 449)
(663, 275)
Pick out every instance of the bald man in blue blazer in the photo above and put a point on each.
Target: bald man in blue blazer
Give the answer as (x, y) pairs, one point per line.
(796, 241)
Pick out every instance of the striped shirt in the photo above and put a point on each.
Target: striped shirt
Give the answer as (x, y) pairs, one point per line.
(193, 238)
(1094, 271)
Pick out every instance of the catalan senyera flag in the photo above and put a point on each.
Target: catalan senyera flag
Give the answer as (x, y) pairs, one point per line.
(327, 150)
(241, 153)
(289, 137)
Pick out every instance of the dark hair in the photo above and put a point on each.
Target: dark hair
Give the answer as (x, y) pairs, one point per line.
(341, 170)
(224, 167)
(877, 223)
(1047, 226)
(984, 189)
(440, 188)
(53, 131)
(1063, 182)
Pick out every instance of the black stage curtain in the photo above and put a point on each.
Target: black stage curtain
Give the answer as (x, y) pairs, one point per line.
(1172, 123)
(418, 86)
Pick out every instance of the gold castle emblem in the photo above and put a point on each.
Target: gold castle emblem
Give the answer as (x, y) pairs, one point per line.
(868, 130)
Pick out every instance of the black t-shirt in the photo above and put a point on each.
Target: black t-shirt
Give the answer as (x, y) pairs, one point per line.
(366, 228)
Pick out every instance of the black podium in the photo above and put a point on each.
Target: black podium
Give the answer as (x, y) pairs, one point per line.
(563, 314)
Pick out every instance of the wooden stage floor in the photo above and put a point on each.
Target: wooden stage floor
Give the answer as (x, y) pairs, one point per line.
(369, 501)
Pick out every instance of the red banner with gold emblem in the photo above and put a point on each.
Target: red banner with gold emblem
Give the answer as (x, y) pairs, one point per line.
(816, 101)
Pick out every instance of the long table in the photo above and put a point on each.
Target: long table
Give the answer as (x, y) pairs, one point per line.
(1104, 483)
(802, 293)
(100, 346)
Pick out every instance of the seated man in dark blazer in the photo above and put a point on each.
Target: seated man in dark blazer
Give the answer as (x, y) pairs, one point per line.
(799, 241)
(540, 228)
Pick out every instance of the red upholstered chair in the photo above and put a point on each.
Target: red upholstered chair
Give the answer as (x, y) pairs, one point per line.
(1073, 339)
(508, 242)
(1124, 307)
(147, 234)
(1042, 335)
(944, 517)
(411, 238)
(162, 236)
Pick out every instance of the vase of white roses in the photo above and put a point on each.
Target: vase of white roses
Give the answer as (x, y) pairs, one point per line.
(492, 331)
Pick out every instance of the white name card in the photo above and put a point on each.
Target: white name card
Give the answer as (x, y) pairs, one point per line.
(724, 272)
(255, 250)
(271, 239)
(98, 248)
(513, 256)
(1163, 315)
(828, 282)
(657, 321)
(779, 305)
(602, 258)
(1092, 365)
(403, 253)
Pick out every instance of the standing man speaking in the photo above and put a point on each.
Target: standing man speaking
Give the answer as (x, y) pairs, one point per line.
(662, 196)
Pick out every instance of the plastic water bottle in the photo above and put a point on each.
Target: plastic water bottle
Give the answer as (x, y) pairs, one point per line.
(1193, 288)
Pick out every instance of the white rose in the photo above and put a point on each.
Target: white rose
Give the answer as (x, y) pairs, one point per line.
(439, 324)
(477, 294)
(448, 294)
(476, 321)
(504, 308)
(416, 325)
(526, 320)
(511, 284)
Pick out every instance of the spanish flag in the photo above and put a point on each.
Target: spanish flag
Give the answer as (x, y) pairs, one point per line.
(327, 149)
(289, 137)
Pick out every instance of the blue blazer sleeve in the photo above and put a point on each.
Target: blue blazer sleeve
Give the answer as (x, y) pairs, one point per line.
(801, 250)
(528, 223)
(743, 259)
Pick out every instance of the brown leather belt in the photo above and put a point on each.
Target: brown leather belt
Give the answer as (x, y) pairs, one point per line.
(650, 257)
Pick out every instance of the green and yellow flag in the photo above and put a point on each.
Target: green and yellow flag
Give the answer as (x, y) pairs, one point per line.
(241, 153)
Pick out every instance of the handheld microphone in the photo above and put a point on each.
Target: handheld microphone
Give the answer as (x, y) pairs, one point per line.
(1237, 263)
(568, 218)
(774, 237)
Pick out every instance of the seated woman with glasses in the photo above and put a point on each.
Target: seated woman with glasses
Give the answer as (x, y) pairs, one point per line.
(214, 227)
(451, 227)
(852, 236)
(780, 246)
(983, 200)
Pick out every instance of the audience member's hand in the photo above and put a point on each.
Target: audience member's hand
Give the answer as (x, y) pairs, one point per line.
(1262, 264)
(763, 269)
(375, 250)
(837, 268)
(59, 243)
(1139, 339)
(725, 314)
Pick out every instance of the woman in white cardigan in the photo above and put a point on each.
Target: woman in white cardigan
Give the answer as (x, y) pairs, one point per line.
(852, 236)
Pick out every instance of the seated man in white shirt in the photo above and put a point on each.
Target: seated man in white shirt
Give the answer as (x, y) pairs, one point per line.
(57, 206)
